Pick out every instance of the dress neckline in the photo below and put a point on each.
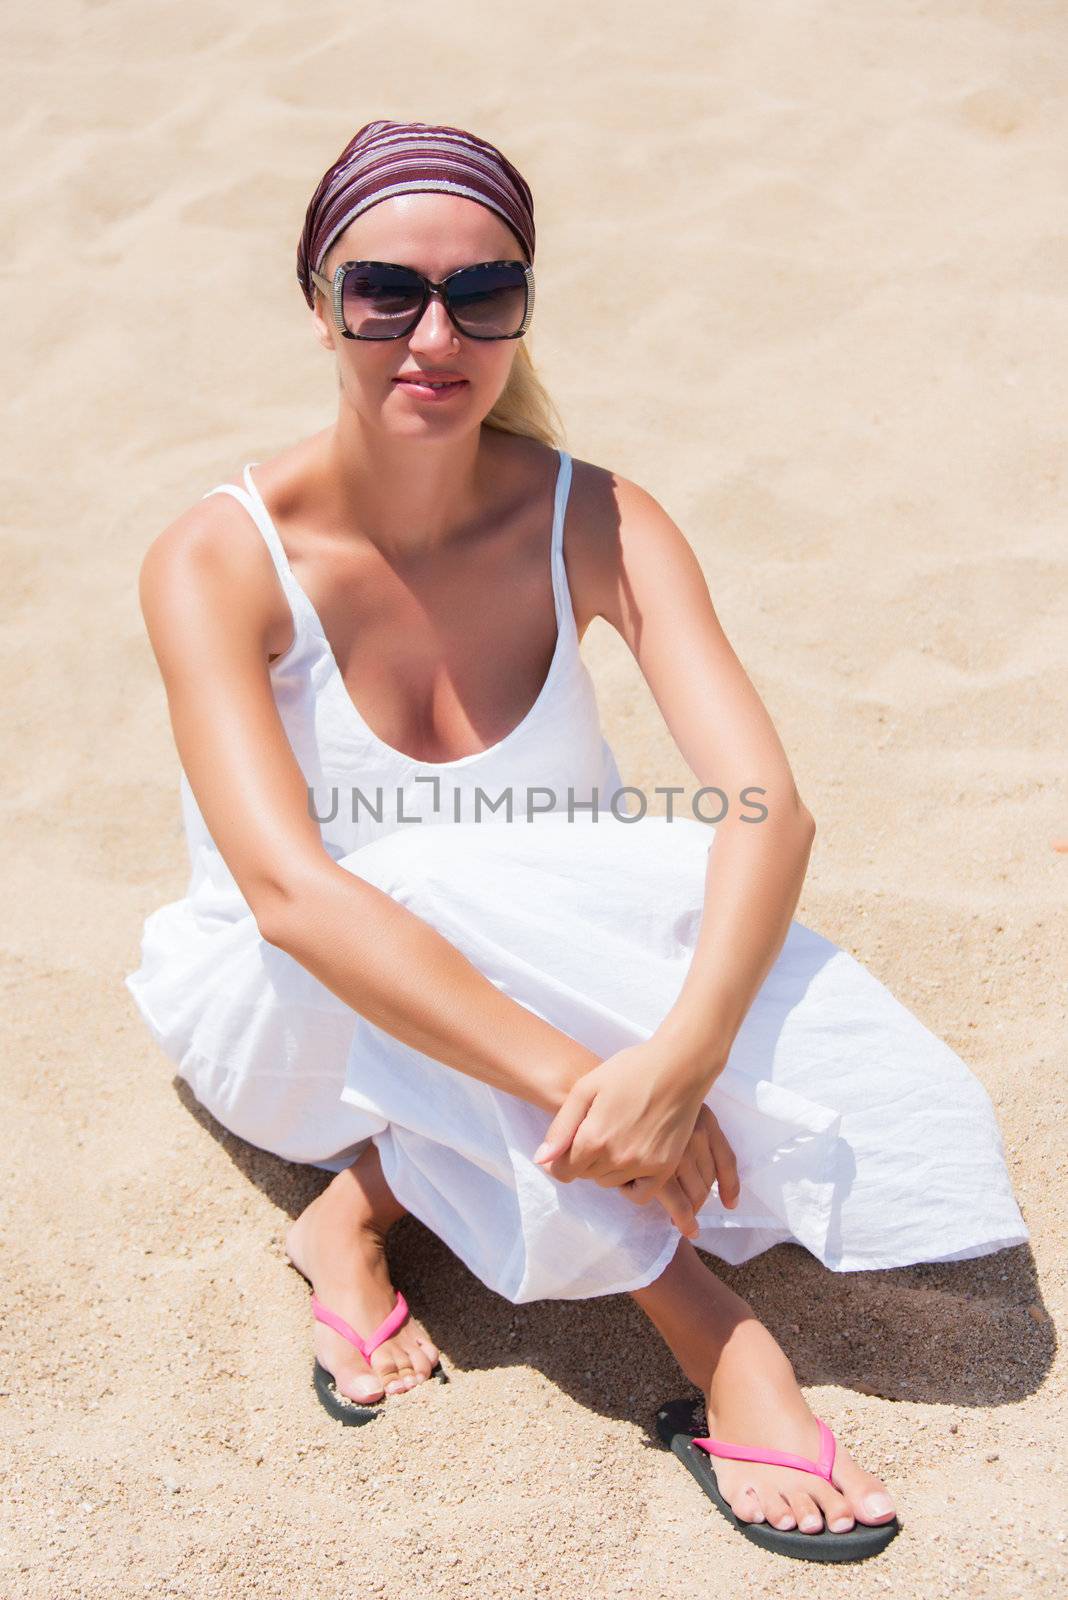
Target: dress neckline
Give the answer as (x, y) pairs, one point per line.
(349, 706)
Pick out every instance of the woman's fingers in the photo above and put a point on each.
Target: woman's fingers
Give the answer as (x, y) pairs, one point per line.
(693, 1185)
(693, 1177)
(618, 1178)
(640, 1190)
(701, 1150)
(670, 1194)
(646, 1188)
(708, 1159)
(678, 1207)
(726, 1165)
(562, 1129)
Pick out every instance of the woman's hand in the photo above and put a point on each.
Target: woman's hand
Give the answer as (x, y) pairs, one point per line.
(635, 1122)
(708, 1158)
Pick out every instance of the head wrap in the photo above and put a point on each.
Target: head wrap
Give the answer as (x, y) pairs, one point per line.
(388, 158)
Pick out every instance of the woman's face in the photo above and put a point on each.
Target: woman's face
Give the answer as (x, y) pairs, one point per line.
(435, 234)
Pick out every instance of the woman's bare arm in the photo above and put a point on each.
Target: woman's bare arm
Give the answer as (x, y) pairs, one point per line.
(208, 594)
(662, 607)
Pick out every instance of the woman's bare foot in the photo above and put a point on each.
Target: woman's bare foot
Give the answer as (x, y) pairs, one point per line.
(752, 1398)
(339, 1244)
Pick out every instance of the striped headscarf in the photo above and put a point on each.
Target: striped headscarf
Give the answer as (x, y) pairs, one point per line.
(388, 158)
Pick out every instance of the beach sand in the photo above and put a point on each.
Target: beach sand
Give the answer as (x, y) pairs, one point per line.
(802, 275)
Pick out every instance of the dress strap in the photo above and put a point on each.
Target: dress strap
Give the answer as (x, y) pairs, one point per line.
(300, 607)
(250, 498)
(565, 611)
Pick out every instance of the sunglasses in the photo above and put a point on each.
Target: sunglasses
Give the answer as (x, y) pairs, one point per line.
(378, 300)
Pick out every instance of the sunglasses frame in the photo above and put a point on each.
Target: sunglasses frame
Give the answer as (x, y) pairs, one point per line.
(333, 292)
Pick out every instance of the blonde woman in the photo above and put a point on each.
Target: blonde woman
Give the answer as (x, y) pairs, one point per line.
(574, 1039)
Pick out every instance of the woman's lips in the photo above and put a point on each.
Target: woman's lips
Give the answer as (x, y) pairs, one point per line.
(423, 391)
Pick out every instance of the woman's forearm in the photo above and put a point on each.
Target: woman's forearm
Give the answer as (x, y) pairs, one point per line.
(753, 882)
(399, 972)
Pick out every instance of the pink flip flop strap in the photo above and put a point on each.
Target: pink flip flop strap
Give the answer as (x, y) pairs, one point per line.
(778, 1458)
(323, 1313)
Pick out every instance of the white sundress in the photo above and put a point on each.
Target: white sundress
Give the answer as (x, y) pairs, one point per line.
(859, 1134)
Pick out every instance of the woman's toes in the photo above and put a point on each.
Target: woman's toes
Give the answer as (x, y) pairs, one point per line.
(807, 1512)
(835, 1508)
(421, 1363)
(873, 1506)
(401, 1366)
(400, 1381)
(781, 1515)
(399, 1376)
(747, 1507)
(866, 1497)
(352, 1376)
(358, 1385)
(431, 1353)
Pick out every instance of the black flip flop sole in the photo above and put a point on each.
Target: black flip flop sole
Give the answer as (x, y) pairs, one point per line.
(351, 1412)
(679, 1422)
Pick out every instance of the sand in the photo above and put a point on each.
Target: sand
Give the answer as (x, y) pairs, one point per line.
(860, 425)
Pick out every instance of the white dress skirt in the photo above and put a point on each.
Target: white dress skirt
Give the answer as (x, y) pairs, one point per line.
(859, 1134)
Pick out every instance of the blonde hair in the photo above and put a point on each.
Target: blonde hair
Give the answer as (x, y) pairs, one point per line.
(525, 405)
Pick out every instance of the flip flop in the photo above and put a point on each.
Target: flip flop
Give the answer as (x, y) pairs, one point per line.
(353, 1412)
(679, 1428)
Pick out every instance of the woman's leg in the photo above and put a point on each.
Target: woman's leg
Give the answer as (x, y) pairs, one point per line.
(339, 1244)
(752, 1397)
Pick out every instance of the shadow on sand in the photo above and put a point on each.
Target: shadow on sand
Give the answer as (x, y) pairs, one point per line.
(965, 1333)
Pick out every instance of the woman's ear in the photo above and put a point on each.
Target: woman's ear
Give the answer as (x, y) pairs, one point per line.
(323, 322)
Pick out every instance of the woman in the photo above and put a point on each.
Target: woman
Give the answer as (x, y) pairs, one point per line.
(575, 1044)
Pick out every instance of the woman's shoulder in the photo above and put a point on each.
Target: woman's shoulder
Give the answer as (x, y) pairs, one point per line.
(600, 498)
(608, 515)
(207, 529)
(218, 526)
(212, 554)
(597, 492)
(607, 488)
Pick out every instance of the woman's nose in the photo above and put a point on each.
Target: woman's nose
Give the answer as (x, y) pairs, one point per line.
(435, 325)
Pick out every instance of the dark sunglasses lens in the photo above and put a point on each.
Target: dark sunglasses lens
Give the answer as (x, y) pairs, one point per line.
(379, 302)
(489, 302)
